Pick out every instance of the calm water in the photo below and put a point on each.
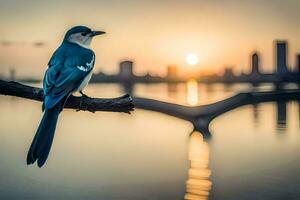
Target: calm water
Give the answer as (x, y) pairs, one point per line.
(253, 153)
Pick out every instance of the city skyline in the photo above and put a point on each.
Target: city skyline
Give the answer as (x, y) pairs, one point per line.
(150, 33)
(282, 72)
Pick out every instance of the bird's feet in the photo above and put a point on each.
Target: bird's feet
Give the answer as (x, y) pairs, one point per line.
(83, 97)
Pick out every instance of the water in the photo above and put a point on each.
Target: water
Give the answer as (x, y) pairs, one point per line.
(253, 153)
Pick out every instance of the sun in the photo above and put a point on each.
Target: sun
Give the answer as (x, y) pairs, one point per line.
(191, 59)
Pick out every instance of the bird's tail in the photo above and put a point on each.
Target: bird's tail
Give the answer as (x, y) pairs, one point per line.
(43, 138)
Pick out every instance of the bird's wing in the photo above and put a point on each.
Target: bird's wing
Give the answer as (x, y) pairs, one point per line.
(64, 76)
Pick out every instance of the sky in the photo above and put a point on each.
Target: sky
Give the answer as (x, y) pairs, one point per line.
(152, 33)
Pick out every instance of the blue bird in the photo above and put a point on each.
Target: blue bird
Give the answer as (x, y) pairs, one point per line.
(69, 71)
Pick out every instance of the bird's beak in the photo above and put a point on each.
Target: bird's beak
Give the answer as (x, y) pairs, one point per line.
(94, 33)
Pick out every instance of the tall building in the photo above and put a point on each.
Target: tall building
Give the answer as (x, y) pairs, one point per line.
(126, 70)
(281, 51)
(255, 64)
(228, 73)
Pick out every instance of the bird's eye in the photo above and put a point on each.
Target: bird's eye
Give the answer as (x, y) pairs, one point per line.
(83, 34)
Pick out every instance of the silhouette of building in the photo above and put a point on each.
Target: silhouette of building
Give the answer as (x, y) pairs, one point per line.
(255, 64)
(281, 51)
(126, 70)
(228, 73)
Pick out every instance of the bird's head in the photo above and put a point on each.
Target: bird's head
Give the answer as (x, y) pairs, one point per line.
(81, 35)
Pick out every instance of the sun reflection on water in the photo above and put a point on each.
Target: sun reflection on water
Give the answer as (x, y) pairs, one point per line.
(192, 92)
(198, 184)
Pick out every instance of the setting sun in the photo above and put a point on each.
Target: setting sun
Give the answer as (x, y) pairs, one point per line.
(192, 59)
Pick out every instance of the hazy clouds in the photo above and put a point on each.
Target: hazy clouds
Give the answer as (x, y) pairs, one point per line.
(7, 43)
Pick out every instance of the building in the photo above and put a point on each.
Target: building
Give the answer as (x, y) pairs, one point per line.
(281, 51)
(126, 70)
(228, 74)
(255, 64)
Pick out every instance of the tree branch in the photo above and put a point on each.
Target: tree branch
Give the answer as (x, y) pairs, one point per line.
(119, 104)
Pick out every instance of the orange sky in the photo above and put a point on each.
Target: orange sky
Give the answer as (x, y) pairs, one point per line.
(153, 33)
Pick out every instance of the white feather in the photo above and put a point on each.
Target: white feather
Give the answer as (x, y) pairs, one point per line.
(82, 68)
(85, 81)
(87, 78)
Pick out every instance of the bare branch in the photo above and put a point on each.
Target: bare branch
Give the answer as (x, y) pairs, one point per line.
(119, 104)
